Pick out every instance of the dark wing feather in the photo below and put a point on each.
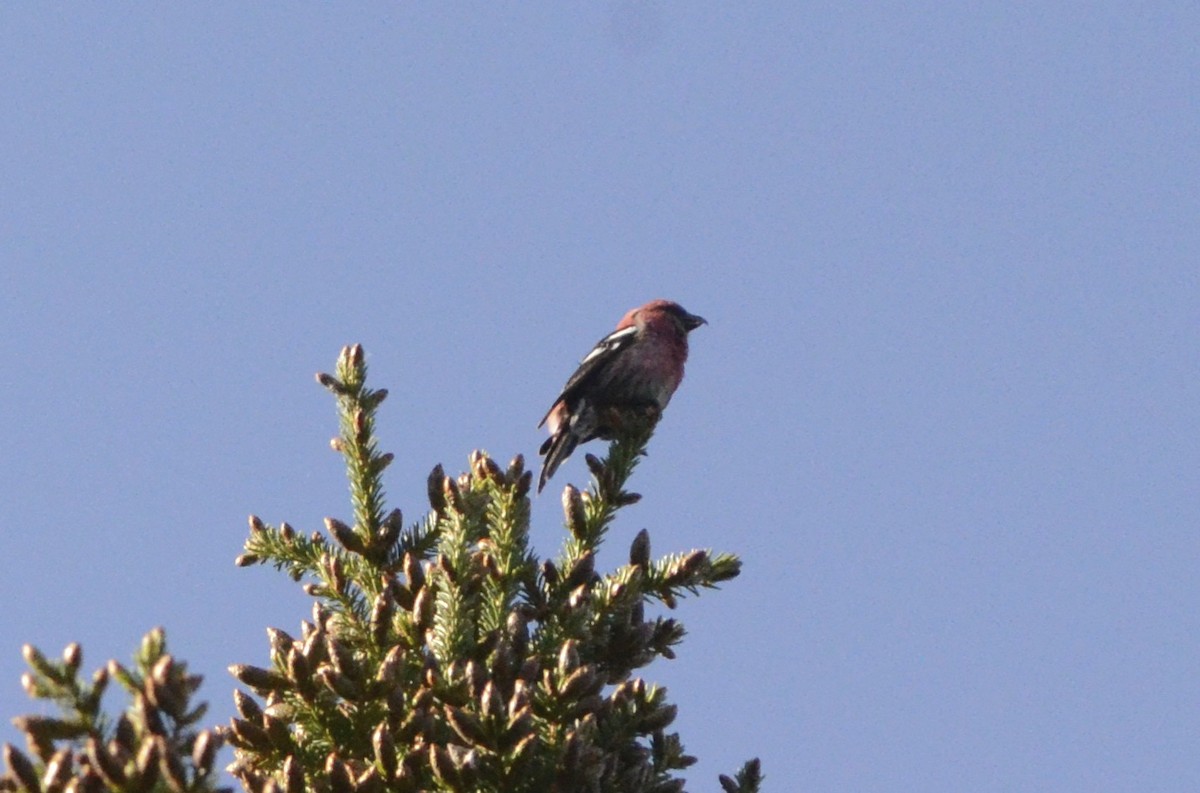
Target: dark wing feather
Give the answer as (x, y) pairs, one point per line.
(594, 362)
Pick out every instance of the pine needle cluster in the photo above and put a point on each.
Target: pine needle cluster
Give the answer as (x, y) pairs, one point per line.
(152, 746)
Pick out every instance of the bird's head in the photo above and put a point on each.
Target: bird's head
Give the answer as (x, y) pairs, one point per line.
(677, 313)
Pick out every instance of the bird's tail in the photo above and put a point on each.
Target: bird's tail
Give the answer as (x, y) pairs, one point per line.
(556, 449)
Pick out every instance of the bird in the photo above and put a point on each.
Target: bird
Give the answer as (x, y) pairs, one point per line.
(636, 367)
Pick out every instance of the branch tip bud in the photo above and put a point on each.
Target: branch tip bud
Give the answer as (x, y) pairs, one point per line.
(639, 549)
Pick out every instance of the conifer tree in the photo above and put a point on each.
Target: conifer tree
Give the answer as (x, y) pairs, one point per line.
(442, 655)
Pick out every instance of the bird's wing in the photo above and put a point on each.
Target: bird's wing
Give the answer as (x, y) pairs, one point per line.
(595, 361)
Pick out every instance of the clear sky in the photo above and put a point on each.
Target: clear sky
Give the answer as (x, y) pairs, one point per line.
(946, 409)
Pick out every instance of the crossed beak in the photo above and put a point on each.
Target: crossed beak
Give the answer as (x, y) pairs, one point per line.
(691, 322)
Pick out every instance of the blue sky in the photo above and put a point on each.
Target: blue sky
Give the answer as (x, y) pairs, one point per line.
(946, 408)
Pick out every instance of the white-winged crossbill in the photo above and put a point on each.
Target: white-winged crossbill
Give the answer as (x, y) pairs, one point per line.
(637, 367)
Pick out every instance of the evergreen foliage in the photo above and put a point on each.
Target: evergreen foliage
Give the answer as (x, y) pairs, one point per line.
(151, 746)
(440, 656)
